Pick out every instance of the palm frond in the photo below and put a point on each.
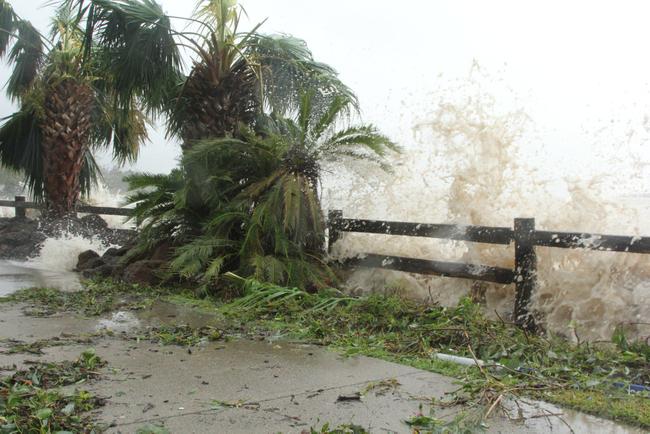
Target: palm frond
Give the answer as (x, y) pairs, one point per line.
(123, 129)
(257, 294)
(20, 148)
(193, 258)
(365, 137)
(138, 49)
(8, 21)
(219, 16)
(289, 69)
(90, 174)
(152, 194)
(26, 55)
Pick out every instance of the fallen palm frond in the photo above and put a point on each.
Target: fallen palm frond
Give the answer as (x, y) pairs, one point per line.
(259, 295)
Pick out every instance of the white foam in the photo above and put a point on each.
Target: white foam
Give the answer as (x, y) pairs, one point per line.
(102, 196)
(61, 253)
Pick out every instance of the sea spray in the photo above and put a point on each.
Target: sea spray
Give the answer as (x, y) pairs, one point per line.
(475, 160)
(61, 253)
(103, 196)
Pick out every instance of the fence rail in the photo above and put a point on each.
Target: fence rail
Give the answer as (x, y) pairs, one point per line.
(20, 205)
(523, 234)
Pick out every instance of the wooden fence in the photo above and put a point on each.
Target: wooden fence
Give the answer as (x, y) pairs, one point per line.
(523, 234)
(20, 205)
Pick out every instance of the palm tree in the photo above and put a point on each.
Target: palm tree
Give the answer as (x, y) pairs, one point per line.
(266, 218)
(89, 85)
(236, 75)
(236, 79)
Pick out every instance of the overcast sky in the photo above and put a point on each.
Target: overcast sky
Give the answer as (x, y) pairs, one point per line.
(577, 65)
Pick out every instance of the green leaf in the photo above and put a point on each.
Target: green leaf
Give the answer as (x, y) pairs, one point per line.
(44, 413)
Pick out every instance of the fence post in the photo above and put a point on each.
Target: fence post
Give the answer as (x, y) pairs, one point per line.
(20, 212)
(334, 218)
(525, 270)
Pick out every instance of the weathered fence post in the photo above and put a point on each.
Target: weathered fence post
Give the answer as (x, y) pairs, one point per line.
(20, 212)
(525, 270)
(334, 218)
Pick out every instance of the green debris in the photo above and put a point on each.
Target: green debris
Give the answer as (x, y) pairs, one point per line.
(461, 424)
(182, 335)
(382, 387)
(48, 375)
(29, 402)
(341, 429)
(14, 346)
(97, 298)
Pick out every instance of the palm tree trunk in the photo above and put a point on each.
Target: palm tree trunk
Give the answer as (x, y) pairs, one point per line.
(66, 132)
(214, 108)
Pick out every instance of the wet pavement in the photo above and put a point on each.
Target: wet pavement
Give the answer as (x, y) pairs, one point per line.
(15, 275)
(247, 386)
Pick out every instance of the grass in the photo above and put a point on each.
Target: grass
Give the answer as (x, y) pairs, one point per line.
(30, 401)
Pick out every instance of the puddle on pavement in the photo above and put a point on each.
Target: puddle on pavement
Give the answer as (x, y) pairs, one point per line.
(20, 275)
(159, 313)
(121, 321)
(545, 417)
(583, 423)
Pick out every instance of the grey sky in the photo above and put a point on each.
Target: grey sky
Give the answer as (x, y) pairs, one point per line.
(574, 64)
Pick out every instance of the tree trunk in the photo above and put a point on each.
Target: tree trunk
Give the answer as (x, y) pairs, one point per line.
(66, 133)
(212, 109)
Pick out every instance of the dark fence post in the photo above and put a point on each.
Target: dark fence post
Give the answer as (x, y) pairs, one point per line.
(525, 270)
(334, 218)
(20, 212)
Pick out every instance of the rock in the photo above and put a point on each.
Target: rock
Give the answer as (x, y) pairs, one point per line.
(85, 258)
(91, 264)
(105, 270)
(19, 238)
(146, 271)
(114, 252)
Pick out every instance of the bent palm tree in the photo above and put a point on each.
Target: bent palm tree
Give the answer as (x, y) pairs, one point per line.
(87, 86)
(235, 80)
(263, 189)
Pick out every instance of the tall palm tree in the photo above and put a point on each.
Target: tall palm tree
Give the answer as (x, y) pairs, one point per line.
(263, 190)
(90, 84)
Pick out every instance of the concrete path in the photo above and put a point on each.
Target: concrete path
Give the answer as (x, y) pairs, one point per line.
(258, 387)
